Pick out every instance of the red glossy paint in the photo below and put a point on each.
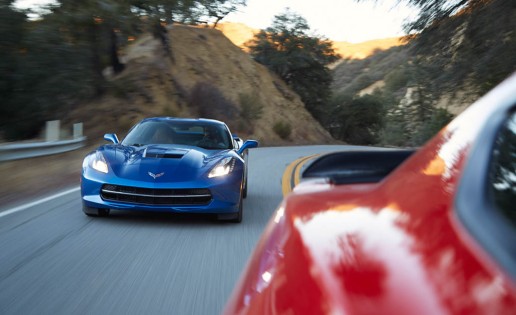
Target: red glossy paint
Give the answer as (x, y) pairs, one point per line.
(395, 247)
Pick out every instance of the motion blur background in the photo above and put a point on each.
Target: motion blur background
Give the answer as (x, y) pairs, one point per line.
(387, 73)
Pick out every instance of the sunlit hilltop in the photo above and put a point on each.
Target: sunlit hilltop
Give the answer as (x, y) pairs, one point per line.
(240, 33)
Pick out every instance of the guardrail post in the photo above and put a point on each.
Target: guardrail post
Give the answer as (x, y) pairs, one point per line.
(77, 130)
(52, 130)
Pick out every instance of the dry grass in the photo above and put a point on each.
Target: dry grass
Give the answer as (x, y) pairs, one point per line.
(28, 179)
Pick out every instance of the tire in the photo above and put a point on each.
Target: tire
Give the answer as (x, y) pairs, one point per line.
(240, 212)
(237, 217)
(244, 190)
(95, 212)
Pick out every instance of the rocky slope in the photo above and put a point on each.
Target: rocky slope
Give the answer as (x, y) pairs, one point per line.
(157, 82)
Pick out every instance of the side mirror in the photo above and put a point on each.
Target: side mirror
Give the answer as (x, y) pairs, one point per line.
(111, 137)
(248, 145)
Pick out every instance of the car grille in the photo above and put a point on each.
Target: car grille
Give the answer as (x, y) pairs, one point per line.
(149, 196)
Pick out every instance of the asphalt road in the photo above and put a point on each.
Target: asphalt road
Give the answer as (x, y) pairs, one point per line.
(56, 260)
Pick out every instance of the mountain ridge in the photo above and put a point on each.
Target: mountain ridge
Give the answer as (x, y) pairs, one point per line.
(240, 33)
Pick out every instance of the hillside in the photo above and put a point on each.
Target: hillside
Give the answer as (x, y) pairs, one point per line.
(240, 33)
(237, 33)
(205, 75)
(421, 86)
(355, 77)
(450, 64)
(365, 49)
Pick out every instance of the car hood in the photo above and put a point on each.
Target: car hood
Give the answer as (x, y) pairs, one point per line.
(160, 163)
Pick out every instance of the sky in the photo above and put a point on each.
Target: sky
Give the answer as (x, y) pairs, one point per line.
(338, 20)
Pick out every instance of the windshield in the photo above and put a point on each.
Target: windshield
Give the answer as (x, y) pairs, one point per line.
(201, 134)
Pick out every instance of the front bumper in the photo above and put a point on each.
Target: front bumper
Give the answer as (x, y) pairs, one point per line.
(225, 194)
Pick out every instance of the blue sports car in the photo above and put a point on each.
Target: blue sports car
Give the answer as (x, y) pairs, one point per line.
(168, 165)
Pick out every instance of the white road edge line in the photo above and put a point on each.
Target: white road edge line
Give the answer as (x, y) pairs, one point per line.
(37, 202)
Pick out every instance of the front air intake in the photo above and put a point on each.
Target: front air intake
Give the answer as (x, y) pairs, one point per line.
(151, 196)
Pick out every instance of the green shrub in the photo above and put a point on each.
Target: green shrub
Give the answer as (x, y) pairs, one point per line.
(396, 79)
(440, 117)
(393, 133)
(282, 129)
(251, 106)
(211, 103)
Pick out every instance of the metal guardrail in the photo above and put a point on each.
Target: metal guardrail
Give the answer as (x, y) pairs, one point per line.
(51, 145)
(17, 151)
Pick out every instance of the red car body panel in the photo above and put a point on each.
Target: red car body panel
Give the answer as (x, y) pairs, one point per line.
(393, 247)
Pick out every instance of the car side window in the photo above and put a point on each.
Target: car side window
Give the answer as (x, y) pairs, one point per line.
(502, 174)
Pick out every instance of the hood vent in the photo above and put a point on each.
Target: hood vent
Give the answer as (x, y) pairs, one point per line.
(163, 154)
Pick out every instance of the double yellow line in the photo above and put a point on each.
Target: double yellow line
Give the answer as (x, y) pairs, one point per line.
(292, 174)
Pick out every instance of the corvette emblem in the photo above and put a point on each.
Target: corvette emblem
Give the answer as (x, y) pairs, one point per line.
(156, 175)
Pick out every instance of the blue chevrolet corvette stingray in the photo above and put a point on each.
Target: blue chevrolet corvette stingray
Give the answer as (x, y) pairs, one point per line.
(168, 165)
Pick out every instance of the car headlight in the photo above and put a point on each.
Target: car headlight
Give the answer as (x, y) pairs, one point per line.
(99, 163)
(224, 167)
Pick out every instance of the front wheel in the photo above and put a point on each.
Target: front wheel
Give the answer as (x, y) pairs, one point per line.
(95, 212)
(244, 189)
(237, 217)
(244, 192)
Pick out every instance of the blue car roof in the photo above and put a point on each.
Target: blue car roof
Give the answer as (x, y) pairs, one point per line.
(192, 120)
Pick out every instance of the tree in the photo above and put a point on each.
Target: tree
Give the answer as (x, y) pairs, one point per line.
(159, 13)
(299, 59)
(439, 118)
(356, 120)
(100, 27)
(434, 11)
(219, 9)
(454, 46)
(12, 31)
(43, 70)
(50, 65)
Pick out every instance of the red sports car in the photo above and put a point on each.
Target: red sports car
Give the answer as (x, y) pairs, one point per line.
(398, 232)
